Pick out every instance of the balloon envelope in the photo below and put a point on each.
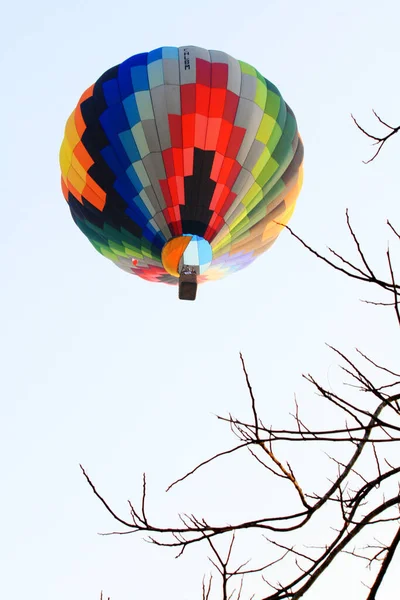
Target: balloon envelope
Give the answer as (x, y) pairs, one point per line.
(181, 156)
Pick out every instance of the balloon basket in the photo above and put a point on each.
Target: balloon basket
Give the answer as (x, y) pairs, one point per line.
(187, 285)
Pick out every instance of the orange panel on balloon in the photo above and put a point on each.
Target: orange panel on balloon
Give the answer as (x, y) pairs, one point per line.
(172, 253)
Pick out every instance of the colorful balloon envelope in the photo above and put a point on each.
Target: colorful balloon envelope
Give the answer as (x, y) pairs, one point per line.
(181, 165)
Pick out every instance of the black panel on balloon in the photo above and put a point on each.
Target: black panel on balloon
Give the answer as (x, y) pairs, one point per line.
(199, 190)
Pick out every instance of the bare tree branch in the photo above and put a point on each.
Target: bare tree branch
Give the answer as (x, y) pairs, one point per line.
(378, 141)
(385, 565)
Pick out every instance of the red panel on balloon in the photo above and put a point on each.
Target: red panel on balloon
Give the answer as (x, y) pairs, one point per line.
(203, 72)
(219, 75)
(175, 129)
(188, 98)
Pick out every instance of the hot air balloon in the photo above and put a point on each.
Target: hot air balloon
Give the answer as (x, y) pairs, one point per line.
(181, 165)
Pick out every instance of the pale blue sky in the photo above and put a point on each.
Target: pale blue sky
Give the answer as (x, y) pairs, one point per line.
(106, 369)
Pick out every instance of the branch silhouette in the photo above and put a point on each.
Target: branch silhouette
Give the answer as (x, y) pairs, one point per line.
(379, 141)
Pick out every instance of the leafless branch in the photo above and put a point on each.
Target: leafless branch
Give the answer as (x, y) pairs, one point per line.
(378, 141)
(385, 565)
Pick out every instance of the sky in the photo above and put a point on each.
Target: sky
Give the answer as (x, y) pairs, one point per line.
(113, 372)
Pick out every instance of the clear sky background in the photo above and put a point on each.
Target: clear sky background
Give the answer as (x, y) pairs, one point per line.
(106, 369)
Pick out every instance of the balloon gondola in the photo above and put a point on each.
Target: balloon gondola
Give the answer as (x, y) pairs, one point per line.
(181, 165)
